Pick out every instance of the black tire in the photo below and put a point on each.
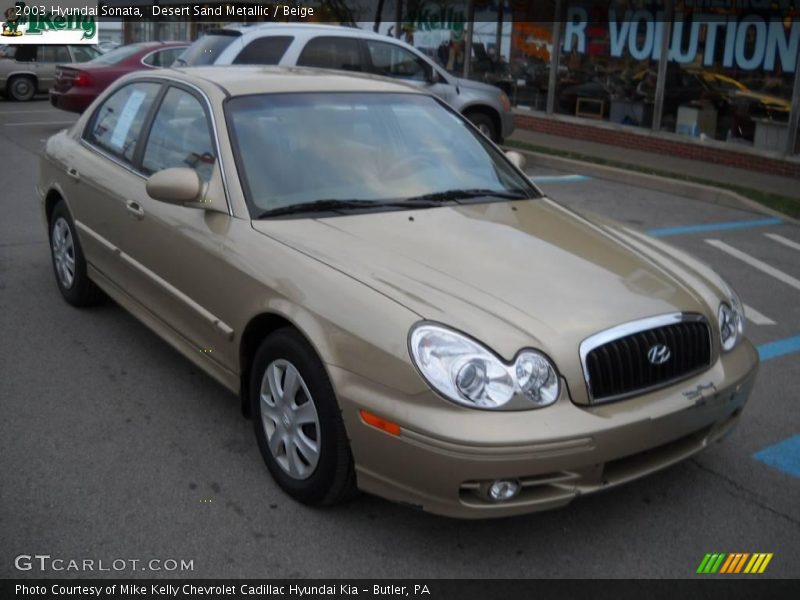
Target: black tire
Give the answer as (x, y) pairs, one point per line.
(486, 124)
(332, 480)
(21, 88)
(80, 291)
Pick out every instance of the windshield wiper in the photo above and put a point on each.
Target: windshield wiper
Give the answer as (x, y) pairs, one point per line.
(180, 61)
(333, 205)
(456, 195)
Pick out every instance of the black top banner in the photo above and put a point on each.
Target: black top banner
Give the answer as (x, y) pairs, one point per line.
(419, 13)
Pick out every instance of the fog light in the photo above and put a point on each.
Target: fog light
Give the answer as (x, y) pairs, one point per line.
(503, 489)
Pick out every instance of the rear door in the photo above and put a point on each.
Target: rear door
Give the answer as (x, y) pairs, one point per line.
(101, 176)
(47, 57)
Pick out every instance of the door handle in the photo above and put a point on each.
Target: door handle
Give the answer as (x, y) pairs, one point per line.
(73, 172)
(135, 209)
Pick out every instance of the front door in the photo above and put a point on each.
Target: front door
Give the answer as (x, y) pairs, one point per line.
(391, 60)
(177, 250)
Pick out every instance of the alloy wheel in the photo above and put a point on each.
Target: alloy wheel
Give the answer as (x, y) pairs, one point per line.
(63, 252)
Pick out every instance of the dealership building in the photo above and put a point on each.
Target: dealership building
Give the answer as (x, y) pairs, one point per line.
(711, 80)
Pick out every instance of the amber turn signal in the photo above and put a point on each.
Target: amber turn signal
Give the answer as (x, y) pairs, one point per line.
(379, 423)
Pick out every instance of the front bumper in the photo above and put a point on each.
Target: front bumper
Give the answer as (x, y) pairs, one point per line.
(507, 122)
(445, 456)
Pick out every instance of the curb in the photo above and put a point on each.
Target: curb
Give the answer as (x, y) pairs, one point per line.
(687, 189)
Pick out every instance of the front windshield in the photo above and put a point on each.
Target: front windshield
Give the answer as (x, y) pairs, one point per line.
(299, 148)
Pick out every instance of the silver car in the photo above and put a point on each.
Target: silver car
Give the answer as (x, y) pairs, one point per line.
(350, 49)
(28, 69)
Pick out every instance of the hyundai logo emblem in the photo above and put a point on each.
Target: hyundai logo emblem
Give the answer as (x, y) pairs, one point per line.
(658, 354)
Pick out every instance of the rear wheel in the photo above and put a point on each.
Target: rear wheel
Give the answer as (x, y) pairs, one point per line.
(22, 88)
(69, 264)
(297, 421)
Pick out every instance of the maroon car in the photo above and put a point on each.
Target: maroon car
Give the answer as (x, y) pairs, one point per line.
(76, 87)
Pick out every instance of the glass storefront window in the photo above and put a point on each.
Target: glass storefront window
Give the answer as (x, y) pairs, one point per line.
(728, 75)
(608, 70)
(733, 73)
(531, 56)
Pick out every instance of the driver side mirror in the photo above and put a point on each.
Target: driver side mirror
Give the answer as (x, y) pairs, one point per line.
(517, 159)
(431, 75)
(175, 186)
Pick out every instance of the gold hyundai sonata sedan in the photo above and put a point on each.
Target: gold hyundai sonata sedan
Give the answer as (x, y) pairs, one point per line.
(400, 309)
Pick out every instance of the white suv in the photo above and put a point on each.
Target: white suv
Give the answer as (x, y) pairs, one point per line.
(350, 49)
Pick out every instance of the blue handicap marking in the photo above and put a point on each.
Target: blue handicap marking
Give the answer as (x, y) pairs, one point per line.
(779, 348)
(559, 178)
(707, 227)
(784, 456)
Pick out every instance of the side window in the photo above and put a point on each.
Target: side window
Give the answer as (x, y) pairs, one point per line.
(117, 124)
(180, 136)
(163, 58)
(54, 54)
(26, 53)
(264, 51)
(331, 53)
(391, 60)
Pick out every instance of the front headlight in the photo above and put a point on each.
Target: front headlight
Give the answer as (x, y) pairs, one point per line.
(731, 321)
(466, 372)
(505, 102)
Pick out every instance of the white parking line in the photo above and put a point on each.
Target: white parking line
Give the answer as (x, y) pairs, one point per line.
(756, 317)
(758, 264)
(38, 123)
(782, 240)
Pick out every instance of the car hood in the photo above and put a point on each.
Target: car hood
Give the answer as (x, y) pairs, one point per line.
(477, 86)
(511, 274)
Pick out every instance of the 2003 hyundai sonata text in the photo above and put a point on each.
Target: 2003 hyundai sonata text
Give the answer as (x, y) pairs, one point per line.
(400, 309)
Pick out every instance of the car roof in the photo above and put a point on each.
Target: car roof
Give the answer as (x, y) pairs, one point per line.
(154, 44)
(306, 28)
(241, 80)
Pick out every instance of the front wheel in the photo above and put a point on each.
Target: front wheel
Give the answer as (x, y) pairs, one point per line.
(486, 125)
(297, 421)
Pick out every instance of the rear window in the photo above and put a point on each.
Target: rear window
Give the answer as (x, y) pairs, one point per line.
(264, 51)
(207, 49)
(117, 55)
(84, 53)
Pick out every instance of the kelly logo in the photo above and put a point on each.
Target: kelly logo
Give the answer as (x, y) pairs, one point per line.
(735, 563)
(12, 23)
(73, 25)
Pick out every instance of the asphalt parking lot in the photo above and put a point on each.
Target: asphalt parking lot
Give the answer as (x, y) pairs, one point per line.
(113, 446)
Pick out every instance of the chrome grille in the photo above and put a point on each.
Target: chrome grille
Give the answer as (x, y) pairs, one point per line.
(630, 359)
